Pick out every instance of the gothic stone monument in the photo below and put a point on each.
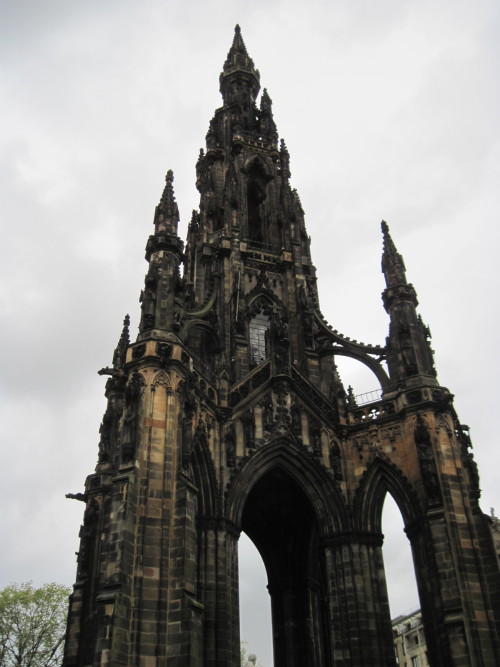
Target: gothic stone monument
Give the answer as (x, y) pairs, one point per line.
(227, 414)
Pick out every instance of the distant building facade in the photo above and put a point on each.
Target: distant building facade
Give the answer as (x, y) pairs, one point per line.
(409, 640)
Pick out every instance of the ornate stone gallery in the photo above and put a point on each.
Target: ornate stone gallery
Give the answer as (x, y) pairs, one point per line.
(227, 414)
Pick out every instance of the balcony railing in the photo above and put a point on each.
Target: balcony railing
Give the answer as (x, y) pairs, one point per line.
(369, 397)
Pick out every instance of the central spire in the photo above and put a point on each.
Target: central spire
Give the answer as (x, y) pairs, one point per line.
(393, 265)
(239, 72)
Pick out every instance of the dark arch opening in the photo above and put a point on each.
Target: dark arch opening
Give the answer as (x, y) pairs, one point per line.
(279, 519)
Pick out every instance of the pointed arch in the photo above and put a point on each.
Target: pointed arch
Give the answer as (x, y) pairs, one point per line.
(256, 163)
(380, 478)
(205, 479)
(162, 379)
(260, 292)
(323, 493)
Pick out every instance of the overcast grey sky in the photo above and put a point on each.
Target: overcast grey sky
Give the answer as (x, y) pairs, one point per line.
(390, 111)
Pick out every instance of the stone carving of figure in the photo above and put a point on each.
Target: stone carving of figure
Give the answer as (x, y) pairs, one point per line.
(407, 352)
(148, 299)
(426, 458)
(164, 352)
(230, 447)
(89, 521)
(105, 433)
(249, 429)
(267, 417)
(251, 661)
(129, 427)
(335, 460)
(315, 438)
(296, 420)
(280, 342)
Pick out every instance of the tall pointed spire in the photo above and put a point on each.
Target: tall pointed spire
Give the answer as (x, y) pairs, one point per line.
(408, 351)
(237, 57)
(164, 251)
(167, 211)
(393, 265)
(238, 69)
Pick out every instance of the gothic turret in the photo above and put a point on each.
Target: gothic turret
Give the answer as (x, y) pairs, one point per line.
(167, 212)
(409, 354)
(159, 308)
(119, 356)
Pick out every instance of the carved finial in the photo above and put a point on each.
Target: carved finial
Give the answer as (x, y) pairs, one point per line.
(194, 223)
(200, 158)
(167, 201)
(296, 199)
(167, 212)
(121, 349)
(211, 137)
(238, 44)
(265, 101)
(351, 399)
(285, 158)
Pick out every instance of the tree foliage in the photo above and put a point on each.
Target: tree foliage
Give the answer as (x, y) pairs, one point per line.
(244, 654)
(32, 624)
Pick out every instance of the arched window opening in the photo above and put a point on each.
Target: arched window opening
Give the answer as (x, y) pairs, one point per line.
(258, 328)
(255, 603)
(256, 195)
(402, 590)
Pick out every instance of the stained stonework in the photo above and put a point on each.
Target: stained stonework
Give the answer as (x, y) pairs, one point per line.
(228, 414)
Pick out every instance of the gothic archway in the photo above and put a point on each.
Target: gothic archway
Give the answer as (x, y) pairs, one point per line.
(380, 479)
(287, 517)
